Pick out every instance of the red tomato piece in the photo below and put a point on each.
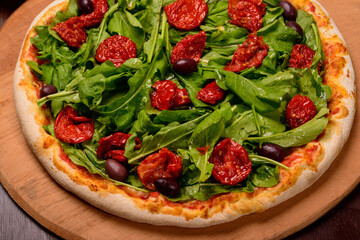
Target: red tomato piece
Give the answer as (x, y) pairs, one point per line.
(231, 162)
(211, 93)
(71, 128)
(247, 13)
(94, 19)
(72, 31)
(117, 49)
(260, 5)
(249, 54)
(300, 110)
(113, 146)
(164, 164)
(301, 56)
(186, 14)
(191, 46)
(168, 95)
(203, 150)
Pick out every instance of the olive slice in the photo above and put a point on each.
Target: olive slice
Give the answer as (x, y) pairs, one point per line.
(294, 25)
(168, 186)
(115, 170)
(185, 66)
(272, 151)
(86, 6)
(290, 12)
(47, 90)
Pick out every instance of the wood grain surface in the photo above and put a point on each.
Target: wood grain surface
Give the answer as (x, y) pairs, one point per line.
(70, 217)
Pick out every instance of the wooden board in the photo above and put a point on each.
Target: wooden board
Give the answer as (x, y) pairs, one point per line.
(70, 217)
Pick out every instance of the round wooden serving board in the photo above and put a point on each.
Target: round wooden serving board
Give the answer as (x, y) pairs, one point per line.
(68, 216)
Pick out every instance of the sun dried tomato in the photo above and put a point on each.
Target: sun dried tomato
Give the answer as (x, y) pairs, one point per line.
(113, 146)
(211, 93)
(94, 19)
(203, 150)
(300, 110)
(301, 56)
(117, 49)
(71, 128)
(249, 54)
(191, 46)
(164, 164)
(260, 5)
(231, 162)
(72, 32)
(247, 13)
(168, 95)
(186, 14)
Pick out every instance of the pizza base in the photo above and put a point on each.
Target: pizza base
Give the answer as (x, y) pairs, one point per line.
(311, 161)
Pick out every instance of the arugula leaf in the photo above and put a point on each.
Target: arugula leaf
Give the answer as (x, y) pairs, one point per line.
(252, 92)
(68, 96)
(125, 24)
(59, 75)
(186, 193)
(35, 68)
(273, 3)
(224, 35)
(272, 13)
(215, 60)
(193, 83)
(190, 173)
(164, 138)
(265, 176)
(42, 41)
(217, 13)
(204, 191)
(211, 128)
(144, 125)
(243, 125)
(207, 190)
(260, 160)
(150, 17)
(309, 83)
(121, 111)
(72, 11)
(281, 81)
(91, 89)
(168, 116)
(102, 34)
(278, 36)
(270, 64)
(300, 135)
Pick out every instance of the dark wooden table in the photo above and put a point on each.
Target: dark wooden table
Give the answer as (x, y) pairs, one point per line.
(342, 222)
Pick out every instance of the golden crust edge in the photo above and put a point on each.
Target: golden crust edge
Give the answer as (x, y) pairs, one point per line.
(139, 211)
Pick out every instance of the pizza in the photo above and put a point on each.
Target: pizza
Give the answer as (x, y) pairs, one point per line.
(185, 113)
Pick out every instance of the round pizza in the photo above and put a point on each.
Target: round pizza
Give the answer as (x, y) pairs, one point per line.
(185, 113)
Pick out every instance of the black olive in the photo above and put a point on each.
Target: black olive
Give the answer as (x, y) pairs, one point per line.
(272, 151)
(185, 66)
(296, 27)
(47, 90)
(290, 12)
(168, 186)
(86, 6)
(115, 170)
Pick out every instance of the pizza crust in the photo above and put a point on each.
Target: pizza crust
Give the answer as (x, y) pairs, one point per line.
(154, 209)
